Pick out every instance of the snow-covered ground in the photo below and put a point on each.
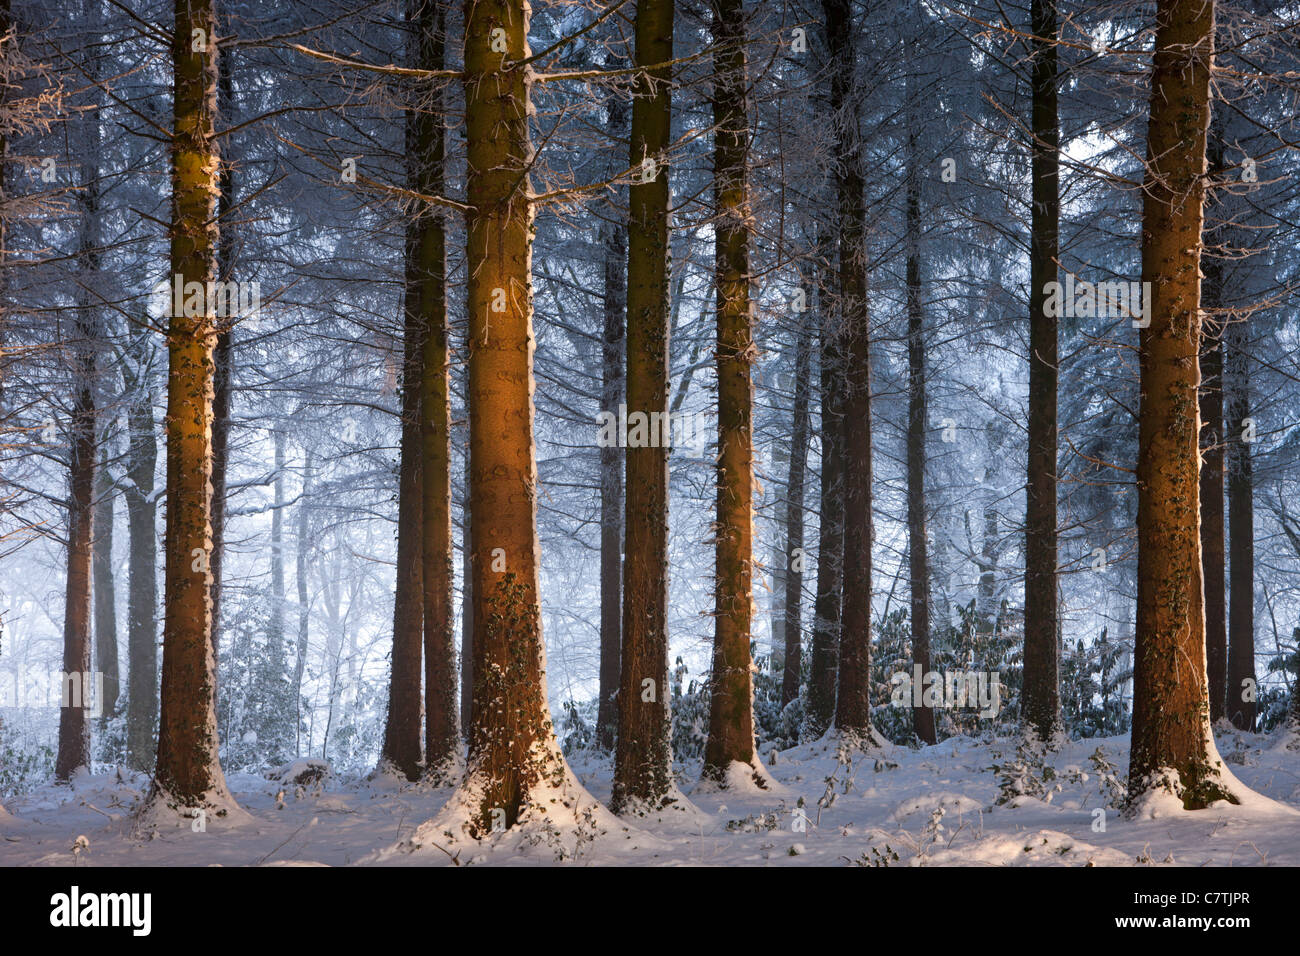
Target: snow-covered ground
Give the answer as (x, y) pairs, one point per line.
(938, 806)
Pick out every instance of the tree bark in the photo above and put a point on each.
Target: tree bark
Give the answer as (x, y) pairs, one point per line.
(1170, 698)
(1241, 685)
(792, 603)
(188, 773)
(731, 688)
(611, 465)
(1212, 443)
(429, 284)
(853, 700)
(142, 546)
(642, 758)
(918, 547)
(512, 747)
(105, 591)
(1041, 709)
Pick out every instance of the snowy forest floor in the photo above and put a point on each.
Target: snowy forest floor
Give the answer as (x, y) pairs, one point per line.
(884, 812)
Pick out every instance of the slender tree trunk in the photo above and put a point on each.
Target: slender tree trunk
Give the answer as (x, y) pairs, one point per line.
(1212, 436)
(429, 283)
(466, 600)
(1170, 698)
(142, 546)
(1241, 535)
(611, 465)
(105, 591)
(78, 684)
(223, 356)
(276, 629)
(188, 773)
(918, 554)
(512, 747)
(792, 603)
(642, 759)
(830, 535)
(304, 604)
(853, 700)
(731, 688)
(1041, 708)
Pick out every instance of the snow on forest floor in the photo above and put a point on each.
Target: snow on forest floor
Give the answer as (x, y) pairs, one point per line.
(930, 807)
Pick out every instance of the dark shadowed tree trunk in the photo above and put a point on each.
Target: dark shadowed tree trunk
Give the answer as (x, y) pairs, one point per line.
(642, 758)
(105, 590)
(611, 463)
(853, 698)
(1170, 699)
(792, 579)
(142, 552)
(1241, 686)
(918, 547)
(1041, 707)
(1212, 440)
(429, 284)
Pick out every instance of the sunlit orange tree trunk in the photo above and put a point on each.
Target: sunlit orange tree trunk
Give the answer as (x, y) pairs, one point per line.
(188, 773)
(731, 712)
(511, 745)
(1171, 730)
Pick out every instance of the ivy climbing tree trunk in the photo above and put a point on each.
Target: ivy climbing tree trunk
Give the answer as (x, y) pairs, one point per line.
(512, 749)
(188, 776)
(642, 758)
(1171, 731)
(731, 689)
(1041, 708)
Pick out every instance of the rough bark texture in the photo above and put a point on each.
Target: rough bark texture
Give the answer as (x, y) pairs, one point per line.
(1041, 708)
(642, 772)
(820, 694)
(1241, 704)
(918, 547)
(611, 464)
(429, 289)
(731, 688)
(794, 557)
(1170, 702)
(188, 771)
(1211, 407)
(853, 700)
(78, 687)
(512, 748)
(142, 555)
(105, 591)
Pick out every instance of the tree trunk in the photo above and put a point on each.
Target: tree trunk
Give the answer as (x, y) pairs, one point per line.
(304, 605)
(142, 546)
(1041, 707)
(78, 685)
(188, 772)
(466, 600)
(512, 748)
(1212, 441)
(222, 397)
(853, 700)
(731, 688)
(105, 591)
(830, 535)
(794, 558)
(429, 285)
(642, 759)
(1170, 699)
(918, 554)
(611, 467)
(1241, 685)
